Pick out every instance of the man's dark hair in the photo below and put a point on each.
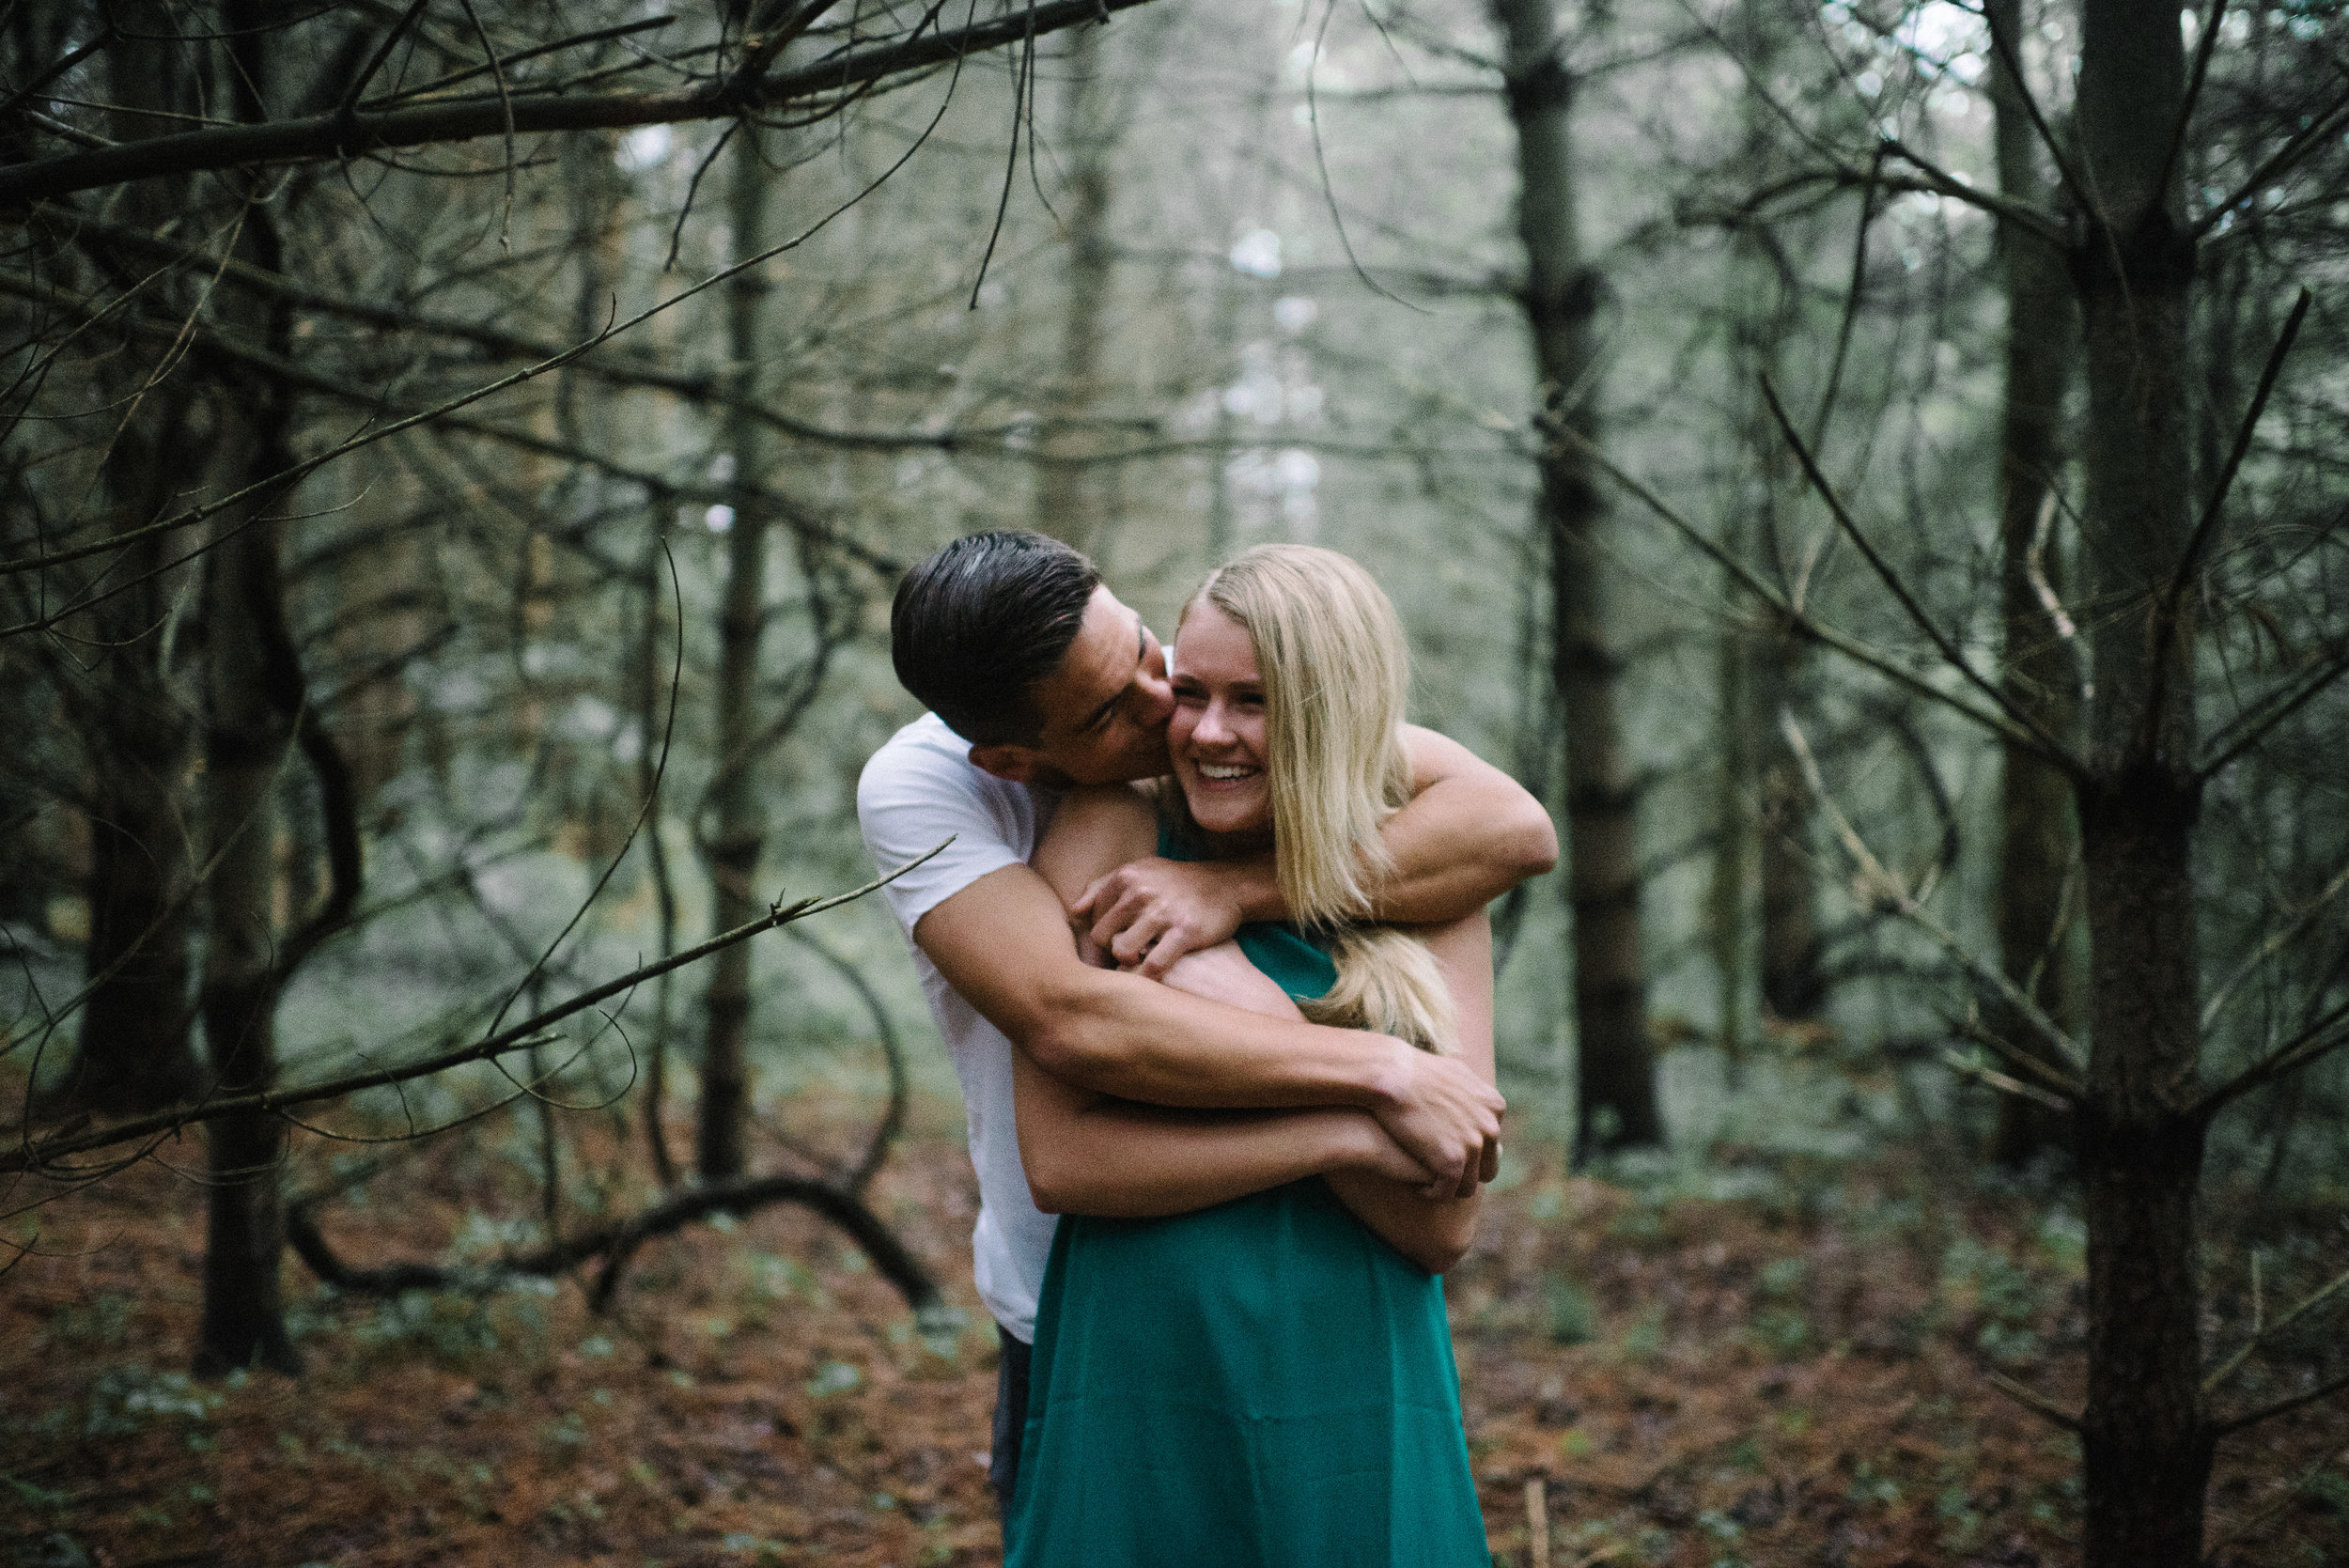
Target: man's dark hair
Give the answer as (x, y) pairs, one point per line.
(978, 623)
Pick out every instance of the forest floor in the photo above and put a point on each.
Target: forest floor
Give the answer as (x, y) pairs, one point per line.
(1789, 1371)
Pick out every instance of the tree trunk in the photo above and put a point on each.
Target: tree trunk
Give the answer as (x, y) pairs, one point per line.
(1793, 987)
(2145, 1430)
(2036, 843)
(740, 826)
(136, 1051)
(246, 740)
(1616, 1104)
(1069, 504)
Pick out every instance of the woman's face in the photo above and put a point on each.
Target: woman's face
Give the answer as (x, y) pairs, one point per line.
(1217, 735)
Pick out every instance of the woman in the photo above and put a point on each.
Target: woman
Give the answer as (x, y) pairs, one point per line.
(1269, 1379)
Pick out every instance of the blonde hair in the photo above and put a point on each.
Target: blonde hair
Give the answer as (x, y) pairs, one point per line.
(1336, 679)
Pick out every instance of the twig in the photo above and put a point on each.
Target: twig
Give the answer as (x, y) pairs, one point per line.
(1795, 620)
(2259, 1335)
(2277, 942)
(2051, 747)
(1882, 884)
(330, 135)
(2165, 624)
(2013, 62)
(2032, 1400)
(2326, 1033)
(2193, 95)
(2325, 1390)
(515, 1037)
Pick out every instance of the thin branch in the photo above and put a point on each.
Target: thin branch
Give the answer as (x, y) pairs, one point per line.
(39, 1156)
(2193, 94)
(599, 35)
(2259, 1336)
(2311, 137)
(615, 1242)
(349, 104)
(2013, 60)
(1885, 887)
(2272, 710)
(2277, 942)
(2325, 1390)
(324, 136)
(2326, 1034)
(1795, 620)
(2043, 741)
(31, 91)
(2165, 621)
(1992, 1078)
(2032, 1400)
(1943, 183)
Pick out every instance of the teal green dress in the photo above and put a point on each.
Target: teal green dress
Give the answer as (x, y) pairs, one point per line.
(1264, 1384)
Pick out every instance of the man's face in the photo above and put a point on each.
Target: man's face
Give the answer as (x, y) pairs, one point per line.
(1104, 709)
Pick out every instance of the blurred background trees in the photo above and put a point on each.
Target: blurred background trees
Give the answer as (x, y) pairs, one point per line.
(1840, 457)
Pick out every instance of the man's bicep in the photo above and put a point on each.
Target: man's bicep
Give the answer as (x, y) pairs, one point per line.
(1000, 942)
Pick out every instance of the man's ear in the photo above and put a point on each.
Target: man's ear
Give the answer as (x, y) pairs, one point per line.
(1014, 764)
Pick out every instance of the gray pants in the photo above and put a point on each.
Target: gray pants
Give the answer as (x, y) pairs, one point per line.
(1011, 1419)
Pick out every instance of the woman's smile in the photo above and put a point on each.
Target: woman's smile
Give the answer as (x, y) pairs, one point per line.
(1217, 737)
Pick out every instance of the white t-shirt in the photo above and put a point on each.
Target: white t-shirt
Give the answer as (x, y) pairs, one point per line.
(919, 788)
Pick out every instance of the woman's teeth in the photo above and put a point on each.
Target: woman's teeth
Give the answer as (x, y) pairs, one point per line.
(1223, 772)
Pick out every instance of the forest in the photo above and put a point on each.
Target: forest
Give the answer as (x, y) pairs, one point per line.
(1876, 470)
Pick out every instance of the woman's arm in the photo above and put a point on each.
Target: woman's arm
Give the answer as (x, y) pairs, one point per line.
(1435, 1233)
(1086, 1154)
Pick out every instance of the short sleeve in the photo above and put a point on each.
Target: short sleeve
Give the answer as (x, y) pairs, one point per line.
(912, 796)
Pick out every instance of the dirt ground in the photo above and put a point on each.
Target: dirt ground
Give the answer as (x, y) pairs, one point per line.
(1793, 1376)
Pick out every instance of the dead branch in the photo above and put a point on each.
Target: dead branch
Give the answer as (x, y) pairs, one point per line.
(1879, 883)
(41, 1156)
(359, 133)
(614, 1243)
(2032, 1400)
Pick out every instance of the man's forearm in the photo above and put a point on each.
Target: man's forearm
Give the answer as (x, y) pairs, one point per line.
(1140, 1040)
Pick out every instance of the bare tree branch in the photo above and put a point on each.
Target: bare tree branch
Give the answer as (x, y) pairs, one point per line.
(39, 1155)
(362, 132)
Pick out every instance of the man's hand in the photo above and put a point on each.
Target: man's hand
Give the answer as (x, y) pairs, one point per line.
(1149, 913)
(1448, 1118)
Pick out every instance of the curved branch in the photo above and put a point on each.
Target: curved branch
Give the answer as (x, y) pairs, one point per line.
(891, 1259)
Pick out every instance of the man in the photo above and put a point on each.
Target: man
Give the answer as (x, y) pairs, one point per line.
(1038, 679)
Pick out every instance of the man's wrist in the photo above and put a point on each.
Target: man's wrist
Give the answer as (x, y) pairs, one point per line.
(1387, 1078)
(1253, 888)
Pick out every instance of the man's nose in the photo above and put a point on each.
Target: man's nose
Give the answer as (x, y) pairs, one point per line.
(1152, 697)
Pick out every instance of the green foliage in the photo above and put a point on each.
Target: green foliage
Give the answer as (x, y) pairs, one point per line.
(101, 1323)
(1570, 1315)
(2010, 1297)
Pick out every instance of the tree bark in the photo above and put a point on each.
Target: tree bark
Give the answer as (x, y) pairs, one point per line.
(740, 823)
(1069, 503)
(2037, 845)
(2145, 1430)
(1615, 1094)
(135, 1049)
(253, 704)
